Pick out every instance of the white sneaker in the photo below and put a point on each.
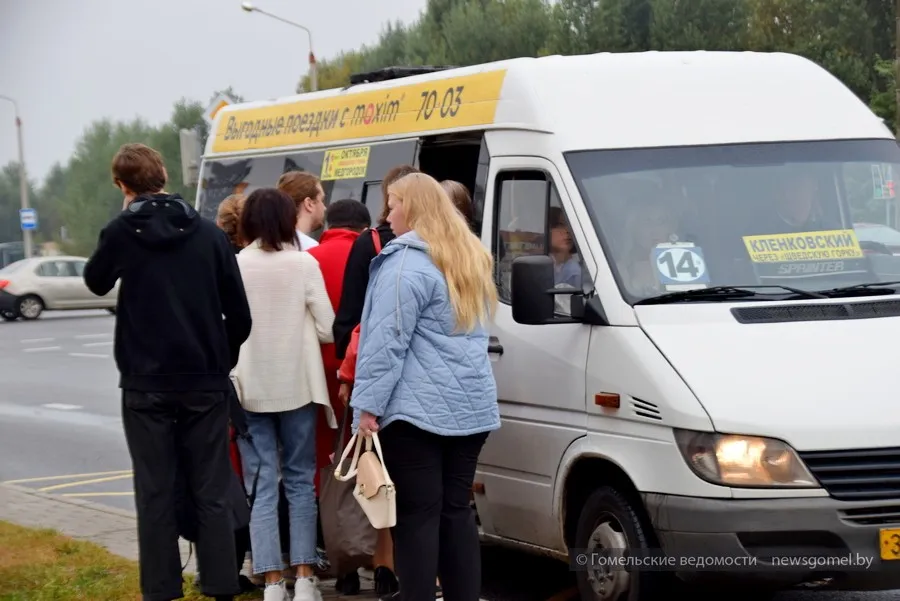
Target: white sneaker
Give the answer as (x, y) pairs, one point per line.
(307, 589)
(276, 592)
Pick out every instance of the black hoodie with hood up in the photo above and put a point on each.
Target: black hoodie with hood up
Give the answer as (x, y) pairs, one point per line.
(182, 312)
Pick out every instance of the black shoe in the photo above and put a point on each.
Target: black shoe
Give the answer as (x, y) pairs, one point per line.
(348, 584)
(246, 585)
(385, 581)
(390, 597)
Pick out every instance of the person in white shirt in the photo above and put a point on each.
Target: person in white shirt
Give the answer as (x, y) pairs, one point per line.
(280, 380)
(306, 191)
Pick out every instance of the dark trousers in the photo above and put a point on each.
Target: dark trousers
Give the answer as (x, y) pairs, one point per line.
(169, 434)
(436, 534)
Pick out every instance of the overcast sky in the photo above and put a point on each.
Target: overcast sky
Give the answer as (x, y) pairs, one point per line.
(69, 62)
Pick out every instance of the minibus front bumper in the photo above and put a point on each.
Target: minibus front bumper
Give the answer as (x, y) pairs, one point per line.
(781, 542)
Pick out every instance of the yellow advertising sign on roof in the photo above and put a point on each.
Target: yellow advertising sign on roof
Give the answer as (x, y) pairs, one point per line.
(465, 101)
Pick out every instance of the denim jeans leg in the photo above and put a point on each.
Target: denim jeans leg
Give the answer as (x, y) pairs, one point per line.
(264, 537)
(298, 469)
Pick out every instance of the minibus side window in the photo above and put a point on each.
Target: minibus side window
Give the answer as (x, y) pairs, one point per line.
(373, 199)
(530, 220)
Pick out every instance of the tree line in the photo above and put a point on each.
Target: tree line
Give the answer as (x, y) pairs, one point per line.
(77, 198)
(853, 39)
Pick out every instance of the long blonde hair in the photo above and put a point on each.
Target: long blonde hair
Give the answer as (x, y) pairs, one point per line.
(455, 250)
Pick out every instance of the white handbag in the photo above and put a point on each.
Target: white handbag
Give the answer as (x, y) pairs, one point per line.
(374, 490)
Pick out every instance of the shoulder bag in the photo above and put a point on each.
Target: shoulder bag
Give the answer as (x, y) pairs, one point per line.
(374, 490)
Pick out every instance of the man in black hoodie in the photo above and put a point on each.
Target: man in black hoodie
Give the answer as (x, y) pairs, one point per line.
(181, 318)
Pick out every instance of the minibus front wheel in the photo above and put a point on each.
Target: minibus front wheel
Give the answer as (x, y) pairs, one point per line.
(609, 530)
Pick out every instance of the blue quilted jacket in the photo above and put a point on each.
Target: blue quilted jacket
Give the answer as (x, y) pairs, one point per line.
(412, 366)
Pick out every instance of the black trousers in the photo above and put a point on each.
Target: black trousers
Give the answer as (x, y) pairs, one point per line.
(181, 433)
(436, 534)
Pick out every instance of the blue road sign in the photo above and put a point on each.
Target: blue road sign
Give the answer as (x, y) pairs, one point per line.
(28, 219)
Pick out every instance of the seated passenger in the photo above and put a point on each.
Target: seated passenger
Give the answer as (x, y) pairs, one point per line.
(649, 222)
(795, 206)
(567, 267)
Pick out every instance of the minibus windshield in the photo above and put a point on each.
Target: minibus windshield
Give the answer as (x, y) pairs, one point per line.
(776, 214)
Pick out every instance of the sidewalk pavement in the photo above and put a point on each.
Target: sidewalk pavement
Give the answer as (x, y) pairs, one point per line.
(115, 529)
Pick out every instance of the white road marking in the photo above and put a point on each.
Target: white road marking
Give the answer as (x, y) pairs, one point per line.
(33, 340)
(87, 336)
(88, 355)
(65, 477)
(98, 343)
(61, 406)
(97, 494)
(40, 349)
(83, 482)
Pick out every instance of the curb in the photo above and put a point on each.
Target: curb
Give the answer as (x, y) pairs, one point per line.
(99, 507)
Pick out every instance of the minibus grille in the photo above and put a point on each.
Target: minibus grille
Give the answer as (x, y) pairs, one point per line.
(858, 474)
(872, 516)
(816, 312)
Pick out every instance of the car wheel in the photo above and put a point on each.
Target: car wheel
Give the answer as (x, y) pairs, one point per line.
(30, 307)
(9, 315)
(609, 525)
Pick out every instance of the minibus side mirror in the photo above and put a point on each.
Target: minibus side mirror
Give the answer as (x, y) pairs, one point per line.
(533, 293)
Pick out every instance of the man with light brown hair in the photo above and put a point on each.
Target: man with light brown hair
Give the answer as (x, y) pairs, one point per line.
(306, 191)
(181, 318)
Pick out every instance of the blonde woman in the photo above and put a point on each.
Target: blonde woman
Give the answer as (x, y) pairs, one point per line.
(425, 380)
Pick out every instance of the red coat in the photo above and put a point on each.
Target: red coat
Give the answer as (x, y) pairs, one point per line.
(331, 253)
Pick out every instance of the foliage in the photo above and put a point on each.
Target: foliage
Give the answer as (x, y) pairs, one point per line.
(850, 38)
(42, 565)
(77, 199)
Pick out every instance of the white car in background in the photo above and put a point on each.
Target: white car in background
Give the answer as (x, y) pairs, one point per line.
(31, 286)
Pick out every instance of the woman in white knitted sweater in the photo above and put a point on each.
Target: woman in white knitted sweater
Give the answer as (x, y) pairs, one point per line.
(280, 379)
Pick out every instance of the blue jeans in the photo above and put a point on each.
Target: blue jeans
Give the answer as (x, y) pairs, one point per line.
(295, 432)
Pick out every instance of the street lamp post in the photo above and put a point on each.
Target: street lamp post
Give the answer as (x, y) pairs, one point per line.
(313, 74)
(23, 183)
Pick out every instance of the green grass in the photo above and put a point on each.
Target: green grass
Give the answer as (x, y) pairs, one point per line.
(42, 565)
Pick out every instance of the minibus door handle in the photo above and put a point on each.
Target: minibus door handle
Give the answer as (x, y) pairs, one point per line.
(494, 345)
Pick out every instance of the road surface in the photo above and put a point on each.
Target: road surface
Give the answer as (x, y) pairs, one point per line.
(61, 432)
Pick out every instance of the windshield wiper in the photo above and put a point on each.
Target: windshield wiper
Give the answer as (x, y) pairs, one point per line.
(723, 293)
(848, 290)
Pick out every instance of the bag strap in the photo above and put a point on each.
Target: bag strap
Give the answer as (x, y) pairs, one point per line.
(339, 441)
(251, 498)
(241, 430)
(352, 470)
(387, 477)
(376, 240)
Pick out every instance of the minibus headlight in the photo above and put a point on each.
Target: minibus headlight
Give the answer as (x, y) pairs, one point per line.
(743, 461)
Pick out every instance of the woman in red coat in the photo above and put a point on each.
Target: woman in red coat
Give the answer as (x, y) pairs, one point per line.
(345, 219)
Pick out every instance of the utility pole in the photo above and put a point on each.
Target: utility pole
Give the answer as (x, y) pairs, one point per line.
(313, 71)
(23, 182)
(897, 67)
(895, 201)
